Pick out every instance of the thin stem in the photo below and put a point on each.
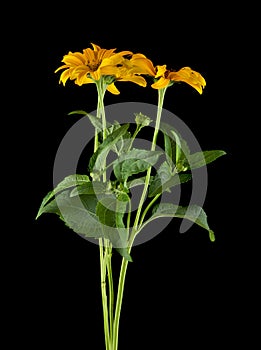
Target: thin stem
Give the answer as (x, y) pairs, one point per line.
(105, 246)
(161, 94)
(116, 322)
(148, 207)
(111, 288)
(135, 229)
(104, 295)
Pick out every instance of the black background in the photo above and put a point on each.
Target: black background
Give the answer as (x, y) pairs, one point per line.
(181, 288)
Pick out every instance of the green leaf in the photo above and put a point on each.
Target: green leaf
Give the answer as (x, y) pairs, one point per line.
(136, 182)
(97, 161)
(166, 179)
(193, 213)
(92, 187)
(176, 147)
(200, 159)
(78, 213)
(79, 111)
(110, 211)
(96, 122)
(134, 162)
(124, 141)
(67, 182)
(125, 253)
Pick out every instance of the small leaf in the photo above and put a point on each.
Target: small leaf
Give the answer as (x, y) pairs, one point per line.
(136, 182)
(67, 182)
(200, 159)
(165, 179)
(97, 161)
(134, 162)
(193, 213)
(78, 112)
(176, 146)
(125, 253)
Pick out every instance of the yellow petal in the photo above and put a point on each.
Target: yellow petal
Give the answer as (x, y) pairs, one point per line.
(83, 80)
(96, 74)
(62, 67)
(64, 76)
(73, 60)
(189, 76)
(145, 65)
(134, 79)
(109, 70)
(95, 47)
(161, 83)
(89, 55)
(112, 89)
(161, 70)
(114, 60)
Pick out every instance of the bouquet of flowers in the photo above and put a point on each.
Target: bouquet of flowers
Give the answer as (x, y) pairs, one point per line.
(99, 204)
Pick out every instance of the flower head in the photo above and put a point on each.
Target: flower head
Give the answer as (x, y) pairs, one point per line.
(166, 77)
(94, 64)
(86, 67)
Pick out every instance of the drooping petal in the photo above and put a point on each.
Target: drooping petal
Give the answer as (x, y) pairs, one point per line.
(83, 80)
(189, 76)
(61, 67)
(134, 79)
(109, 70)
(143, 63)
(96, 75)
(64, 76)
(112, 89)
(161, 83)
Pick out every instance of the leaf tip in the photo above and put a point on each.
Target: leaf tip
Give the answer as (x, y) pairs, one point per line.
(212, 236)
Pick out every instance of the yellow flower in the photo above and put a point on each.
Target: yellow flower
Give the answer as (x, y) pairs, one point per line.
(87, 67)
(185, 74)
(165, 77)
(123, 71)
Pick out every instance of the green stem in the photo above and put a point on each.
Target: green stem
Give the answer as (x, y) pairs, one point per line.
(135, 229)
(111, 288)
(161, 94)
(103, 264)
(105, 246)
(148, 207)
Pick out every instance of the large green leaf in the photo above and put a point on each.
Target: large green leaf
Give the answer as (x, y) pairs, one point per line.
(200, 159)
(166, 179)
(134, 162)
(110, 211)
(78, 213)
(193, 213)
(68, 182)
(92, 187)
(97, 161)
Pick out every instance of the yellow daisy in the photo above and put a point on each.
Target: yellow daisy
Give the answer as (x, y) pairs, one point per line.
(185, 74)
(86, 67)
